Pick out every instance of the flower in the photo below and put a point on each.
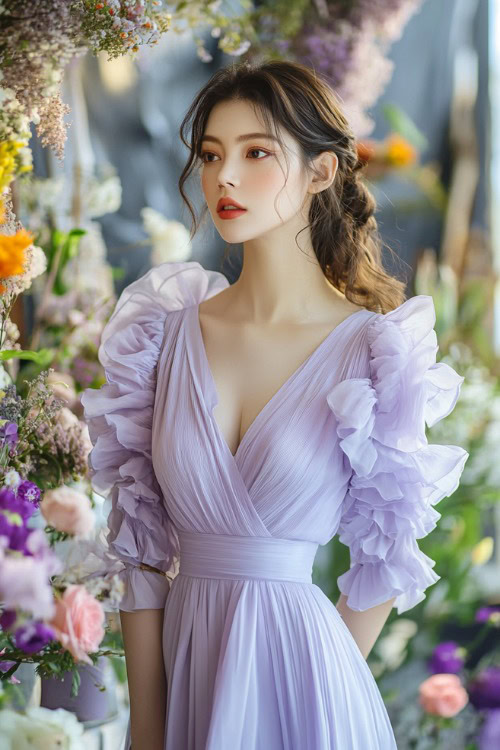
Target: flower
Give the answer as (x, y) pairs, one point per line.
(8, 619)
(170, 239)
(400, 153)
(25, 581)
(33, 636)
(488, 614)
(489, 736)
(8, 433)
(442, 695)
(12, 253)
(482, 551)
(68, 510)
(12, 478)
(29, 491)
(484, 690)
(447, 657)
(67, 418)
(78, 622)
(40, 729)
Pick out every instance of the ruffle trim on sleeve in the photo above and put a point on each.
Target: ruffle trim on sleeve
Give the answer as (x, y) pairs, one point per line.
(119, 416)
(396, 475)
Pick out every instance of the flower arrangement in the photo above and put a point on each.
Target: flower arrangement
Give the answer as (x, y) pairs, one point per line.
(345, 41)
(51, 613)
(457, 706)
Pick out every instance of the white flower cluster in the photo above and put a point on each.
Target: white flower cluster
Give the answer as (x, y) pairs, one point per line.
(170, 239)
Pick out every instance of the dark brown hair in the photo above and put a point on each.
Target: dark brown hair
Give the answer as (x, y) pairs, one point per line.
(342, 222)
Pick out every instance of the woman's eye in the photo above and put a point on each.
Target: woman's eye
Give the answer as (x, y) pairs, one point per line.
(207, 153)
(253, 150)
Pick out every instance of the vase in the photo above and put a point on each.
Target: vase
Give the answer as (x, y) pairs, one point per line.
(91, 705)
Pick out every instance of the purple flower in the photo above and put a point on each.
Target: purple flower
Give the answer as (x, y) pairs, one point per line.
(447, 657)
(29, 491)
(8, 618)
(33, 636)
(484, 690)
(483, 613)
(6, 665)
(8, 434)
(8, 500)
(9, 503)
(25, 580)
(489, 736)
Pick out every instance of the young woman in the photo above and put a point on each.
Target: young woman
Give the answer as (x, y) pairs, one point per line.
(243, 425)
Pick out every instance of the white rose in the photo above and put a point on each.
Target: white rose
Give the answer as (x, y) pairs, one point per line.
(40, 729)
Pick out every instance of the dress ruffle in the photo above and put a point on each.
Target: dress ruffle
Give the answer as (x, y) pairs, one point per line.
(397, 477)
(119, 416)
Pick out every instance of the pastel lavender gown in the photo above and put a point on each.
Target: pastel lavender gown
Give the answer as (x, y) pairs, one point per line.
(256, 655)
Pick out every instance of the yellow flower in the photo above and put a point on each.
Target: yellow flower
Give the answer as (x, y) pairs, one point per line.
(400, 153)
(10, 162)
(12, 253)
(482, 551)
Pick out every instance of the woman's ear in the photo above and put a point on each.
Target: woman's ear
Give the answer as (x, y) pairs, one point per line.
(326, 165)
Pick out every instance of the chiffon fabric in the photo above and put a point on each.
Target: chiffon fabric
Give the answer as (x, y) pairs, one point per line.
(256, 655)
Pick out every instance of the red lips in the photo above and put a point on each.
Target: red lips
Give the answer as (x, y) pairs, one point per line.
(228, 202)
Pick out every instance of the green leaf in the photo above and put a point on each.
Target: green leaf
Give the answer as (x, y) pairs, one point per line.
(43, 357)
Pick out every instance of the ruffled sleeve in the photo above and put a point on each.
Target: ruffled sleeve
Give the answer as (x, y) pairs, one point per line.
(119, 416)
(397, 477)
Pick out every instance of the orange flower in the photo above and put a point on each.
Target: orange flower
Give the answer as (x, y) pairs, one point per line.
(12, 253)
(2, 212)
(400, 153)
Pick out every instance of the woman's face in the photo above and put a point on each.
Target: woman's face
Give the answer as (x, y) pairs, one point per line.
(243, 163)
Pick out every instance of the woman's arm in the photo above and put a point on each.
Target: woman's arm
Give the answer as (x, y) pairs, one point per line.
(365, 626)
(142, 638)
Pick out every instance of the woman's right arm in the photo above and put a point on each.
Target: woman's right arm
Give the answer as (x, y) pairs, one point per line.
(142, 638)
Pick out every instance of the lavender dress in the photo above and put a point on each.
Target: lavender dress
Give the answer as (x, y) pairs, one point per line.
(256, 656)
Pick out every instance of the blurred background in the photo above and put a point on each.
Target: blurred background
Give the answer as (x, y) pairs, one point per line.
(93, 178)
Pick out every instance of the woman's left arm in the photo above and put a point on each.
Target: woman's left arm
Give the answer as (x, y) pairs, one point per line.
(365, 627)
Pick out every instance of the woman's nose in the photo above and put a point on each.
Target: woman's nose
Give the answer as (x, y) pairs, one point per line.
(228, 176)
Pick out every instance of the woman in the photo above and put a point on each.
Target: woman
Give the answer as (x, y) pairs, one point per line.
(243, 425)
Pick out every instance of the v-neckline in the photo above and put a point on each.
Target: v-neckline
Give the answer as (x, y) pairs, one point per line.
(208, 371)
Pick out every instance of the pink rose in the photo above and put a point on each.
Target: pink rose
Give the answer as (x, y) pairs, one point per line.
(78, 622)
(443, 695)
(68, 510)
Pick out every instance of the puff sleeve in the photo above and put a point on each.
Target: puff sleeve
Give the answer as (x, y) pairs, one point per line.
(119, 417)
(397, 476)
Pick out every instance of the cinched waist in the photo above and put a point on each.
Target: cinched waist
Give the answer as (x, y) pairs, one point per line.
(223, 556)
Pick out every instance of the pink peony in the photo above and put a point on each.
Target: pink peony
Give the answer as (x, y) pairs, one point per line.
(78, 623)
(443, 695)
(68, 510)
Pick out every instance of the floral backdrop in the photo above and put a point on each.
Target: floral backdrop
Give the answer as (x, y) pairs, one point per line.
(60, 585)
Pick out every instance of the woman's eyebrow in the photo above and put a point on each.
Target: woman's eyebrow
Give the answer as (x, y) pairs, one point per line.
(240, 138)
